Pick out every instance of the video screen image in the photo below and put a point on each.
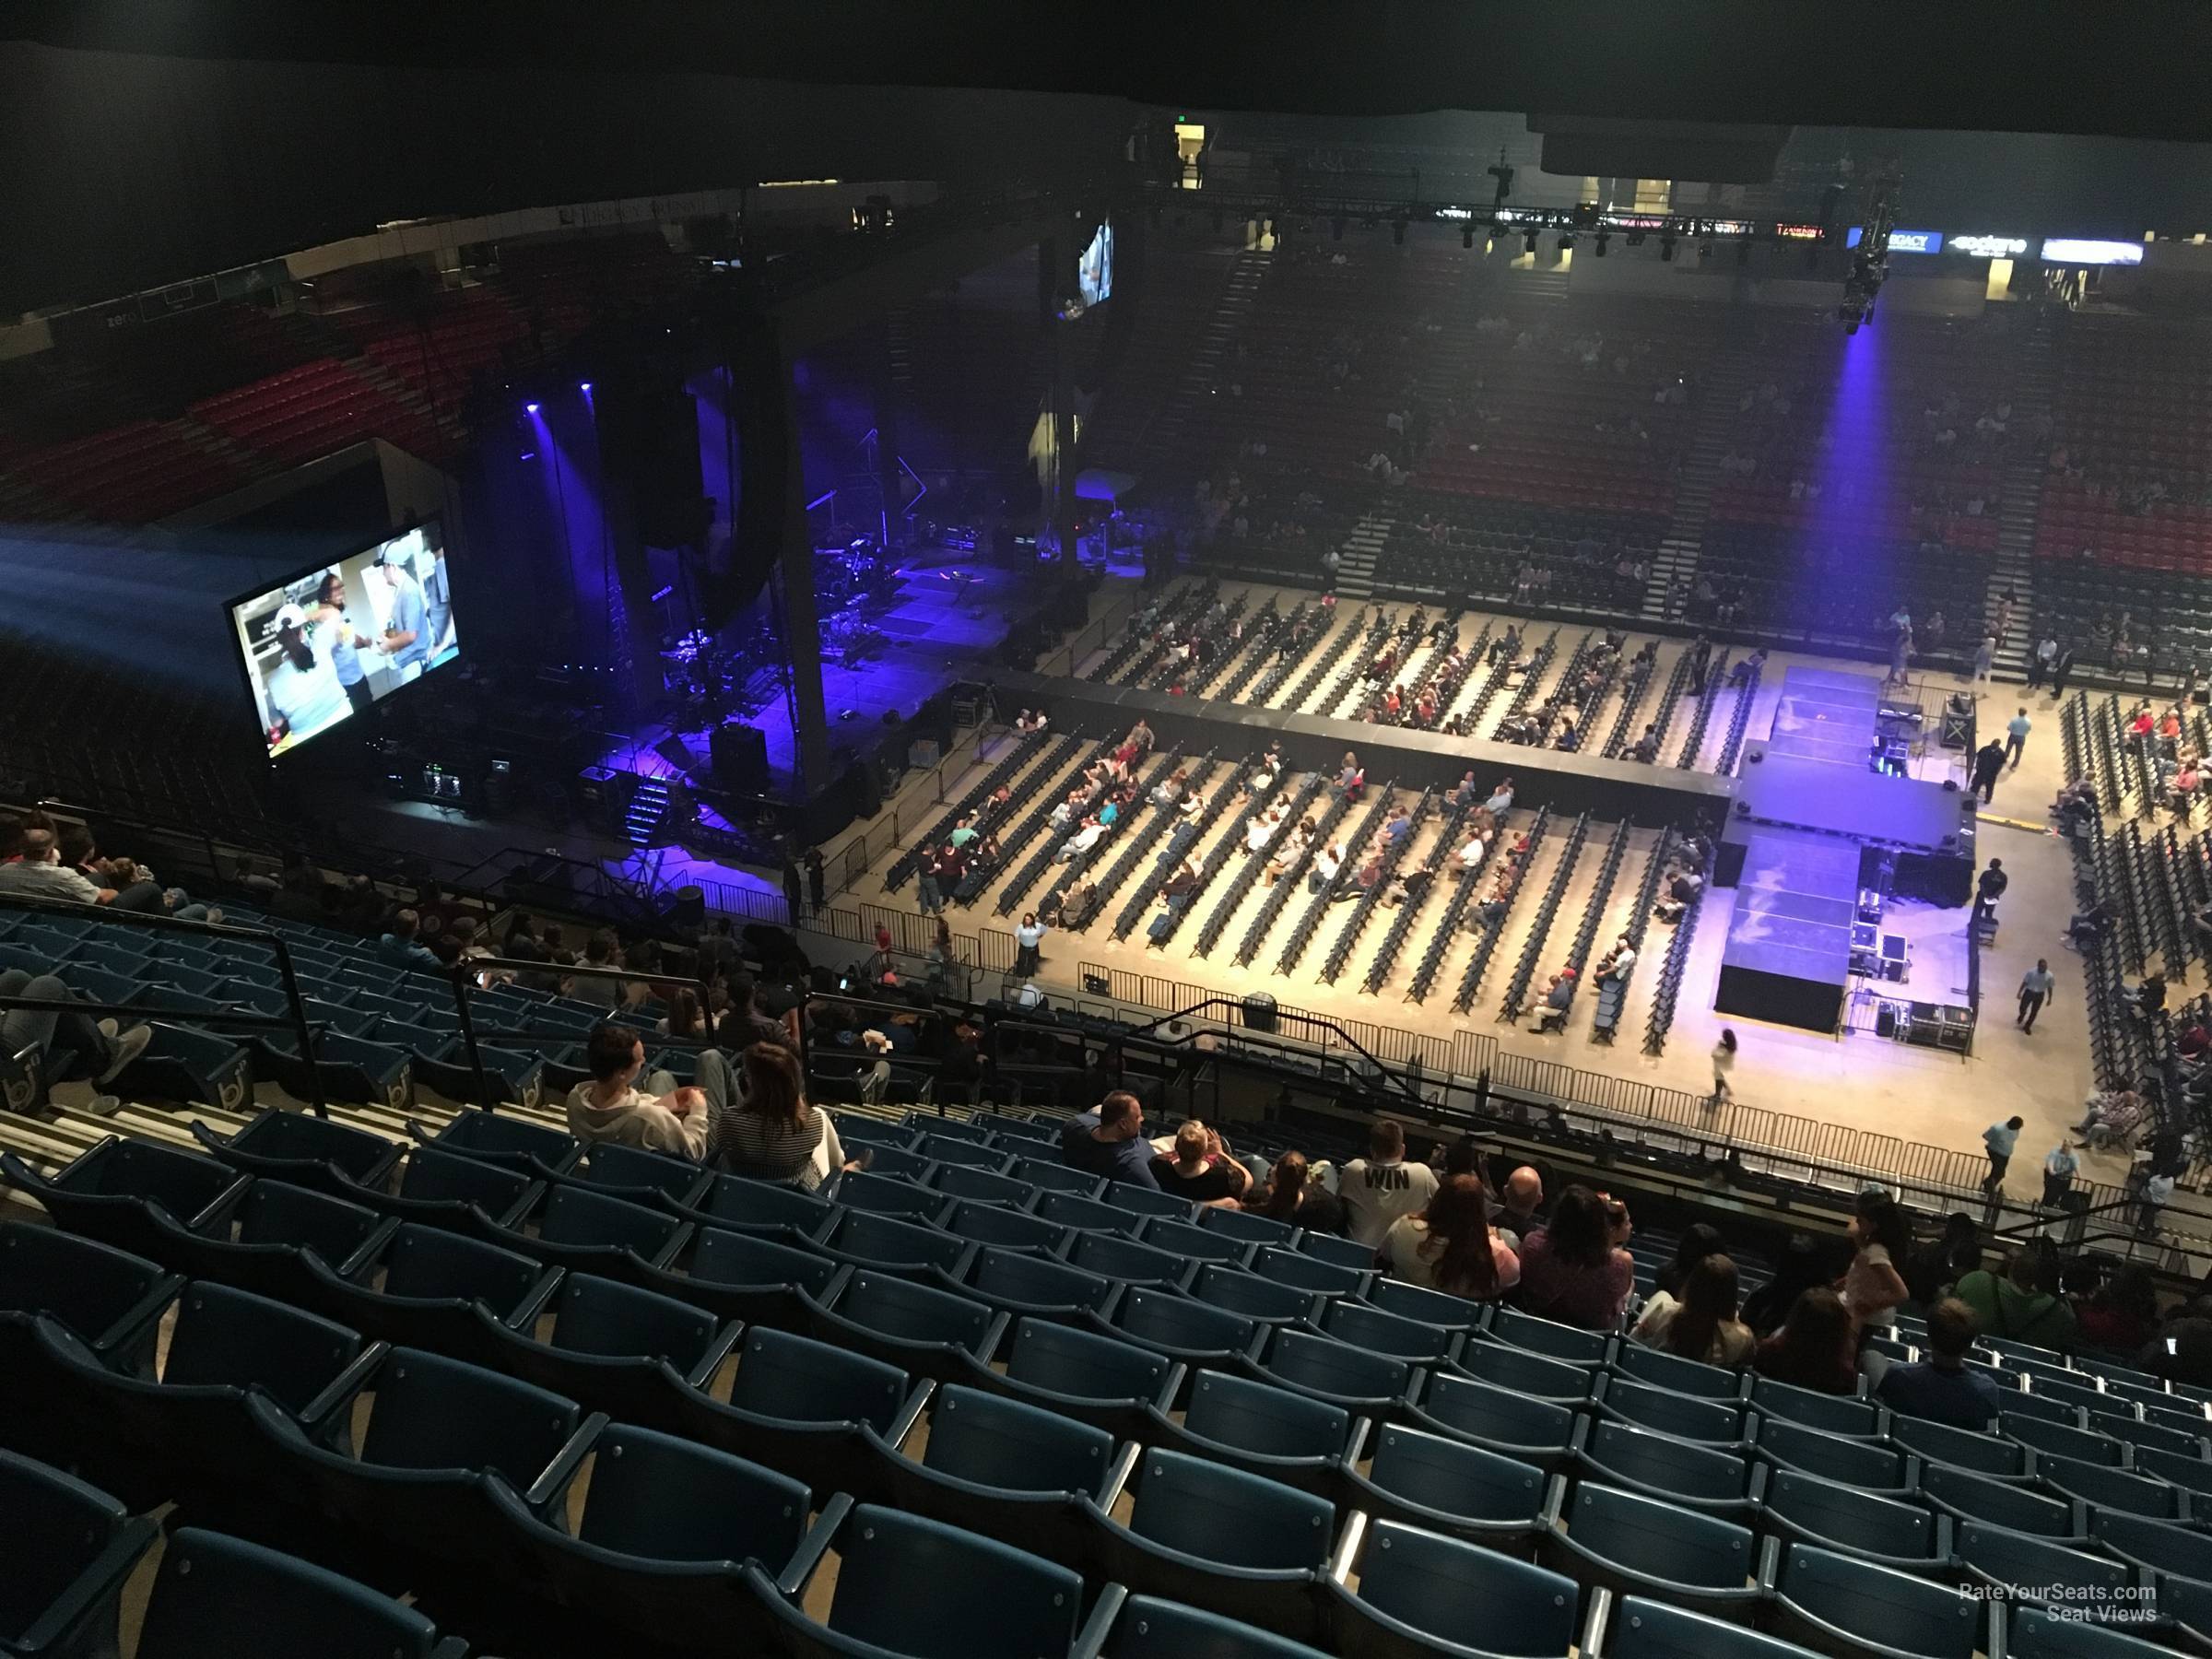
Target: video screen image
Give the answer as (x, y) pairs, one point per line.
(1094, 274)
(320, 648)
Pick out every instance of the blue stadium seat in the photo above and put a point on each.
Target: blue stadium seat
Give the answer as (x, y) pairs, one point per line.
(1635, 1544)
(1048, 1173)
(448, 1188)
(1179, 1327)
(1960, 1448)
(438, 1430)
(1016, 1282)
(1876, 1469)
(1682, 1416)
(1124, 1259)
(995, 1466)
(1369, 1384)
(1438, 1308)
(1421, 1593)
(1096, 1379)
(1644, 1629)
(68, 1547)
(915, 1587)
(1258, 1298)
(614, 1348)
(738, 1204)
(1965, 1496)
(924, 1332)
(963, 1180)
(1193, 1242)
(1348, 1254)
(800, 1405)
(1533, 1430)
(1522, 1370)
(588, 1231)
(887, 1195)
(1001, 1227)
(2032, 1633)
(658, 1553)
(105, 1193)
(2106, 1488)
(1845, 1606)
(1200, 1531)
(1548, 1336)
(747, 1277)
(1145, 1201)
(890, 1244)
(1659, 1465)
(2029, 1568)
(896, 1161)
(2156, 1545)
(533, 1149)
(1306, 1272)
(219, 1597)
(193, 1424)
(1805, 1509)
(1148, 1627)
(423, 1288)
(1831, 1414)
(1272, 1431)
(110, 1300)
(2193, 1473)
(1367, 1327)
(1447, 1486)
(277, 1224)
(1662, 1370)
(1248, 1227)
(640, 1176)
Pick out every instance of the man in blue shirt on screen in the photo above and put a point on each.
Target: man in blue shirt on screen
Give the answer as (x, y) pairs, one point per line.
(407, 626)
(438, 603)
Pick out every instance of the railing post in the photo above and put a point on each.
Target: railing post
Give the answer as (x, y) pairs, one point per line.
(297, 1006)
(468, 1037)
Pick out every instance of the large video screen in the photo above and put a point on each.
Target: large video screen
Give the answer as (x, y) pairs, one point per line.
(322, 647)
(1094, 276)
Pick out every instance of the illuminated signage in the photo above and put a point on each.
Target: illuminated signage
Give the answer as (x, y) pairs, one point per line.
(1903, 241)
(1989, 247)
(2068, 250)
(1798, 232)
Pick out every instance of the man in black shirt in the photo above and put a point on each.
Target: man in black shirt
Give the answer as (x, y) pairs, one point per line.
(1989, 889)
(1114, 1147)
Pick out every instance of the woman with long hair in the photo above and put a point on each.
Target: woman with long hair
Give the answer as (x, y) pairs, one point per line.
(683, 1018)
(1450, 1245)
(1815, 1348)
(1574, 1268)
(1292, 1194)
(768, 1132)
(1872, 1285)
(1700, 1240)
(1701, 1324)
(1802, 1267)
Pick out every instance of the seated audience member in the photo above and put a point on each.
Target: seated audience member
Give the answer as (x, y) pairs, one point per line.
(404, 944)
(1574, 1268)
(1931, 1270)
(609, 1106)
(765, 1129)
(2021, 1306)
(70, 1044)
(1292, 1194)
(744, 1024)
(2121, 1313)
(1943, 1387)
(1200, 1171)
(1382, 1188)
(2181, 1350)
(1558, 1001)
(1699, 1240)
(1082, 842)
(1801, 1266)
(1703, 1323)
(1618, 962)
(1519, 1210)
(1449, 1244)
(1815, 1347)
(601, 991)
(1114, 1146)
(1682, 889)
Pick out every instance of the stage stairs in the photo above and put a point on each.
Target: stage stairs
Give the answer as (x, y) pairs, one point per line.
(1677, 560)
(648, 811)
(1363, 547)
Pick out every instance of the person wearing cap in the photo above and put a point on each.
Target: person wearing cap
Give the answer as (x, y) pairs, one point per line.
(407, 625)
(327, 615)
(303, 691)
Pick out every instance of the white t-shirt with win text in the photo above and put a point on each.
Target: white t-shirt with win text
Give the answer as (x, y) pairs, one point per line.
(1377, 1193)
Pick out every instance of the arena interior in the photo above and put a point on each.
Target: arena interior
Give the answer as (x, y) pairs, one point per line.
(1208, 879)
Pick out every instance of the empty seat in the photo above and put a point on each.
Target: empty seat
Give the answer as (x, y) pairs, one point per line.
(1831, 1414)
(799, 1406)
(615, 1347)
(68, 1547)
(2061, 1439)
(1809, 1509)
(1447, 1486)
(2157, 1545)
(1247, 1226)
(1877, 1468)
(1180, 1327)
(924, 1332)
(277, 1224)
(1662, 1370)
(1114, 1386)
(658, 1552)
(1548, 1336)
(1340, 1253)
(1200, 1531)
(1018, 1283)
(1193, 1243)
(1002, 1226)
(1637, 1545)
(1421, 1593)
(2030, 1569)
(2114, 1488)
(864, 1238)
(1533, 1430)
(1659, 1465)
(1272, 1431)
(912, 1586)
(984, 1187)
(448, 1188)
(1436, 1308)
(1843, 1605)
(110, 1300)
(1148, 1627)
(1960, 1448)
(2034, 1632)
(1371, 1385)
(636, 1173)
(997, 1467)
(1308, 1272)
(105, 1192)
(423, 1287)
(746, 1276)
(304, 1149)
(1365, 1326)
(537, 1149)
(887, 1195)
(219, 1597)
(1682, 1416)
(1249, 1294)
(593, 1232)
(1522, 1370)
(739, 1205)
(1644, 1629)
(1970, 1497)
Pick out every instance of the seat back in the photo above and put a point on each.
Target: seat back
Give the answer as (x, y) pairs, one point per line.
(237, 1340)
(1013, 1278)
(1445, 1588)
(1249, 1294)
(2037, 1569)
(1643, 1628)
(1305, 1272)
(269, 1605)
(86, 1284)
(1960, 1448)
(721, 1257)
(1247, 1226)
(503, 1138)
(1979, 1498)
(2157, 1544)
(637, 1171)
(2112, 1489)
(1849, 1518)
(780, 1375)
(1322, 1365)
(1830, 1456)
(906, 1312)
(1675, 1414)
(578, 1217)
(1522, 1370)
(1438, 1308)
(1272, 1422)
(1663, 1540)
(1124, 1259)
(1177, 1324)
(1492, 1414)
(1891, 1611)
(1548, 1336)
(53, 1526)
(1663, 1463)
(735, 1202)
(599, 1316)
(888, 1242)
(1083, 1365)
(1831, 1414)
(278, 1137)
(1212, 1513)
(911, 1586)
(666, 1499)
(1004, 1445)
(1457, 1480)
(1151, 1629)
(428, 1263)
(435, 1413)
(1662, 1369)
(1364, 1325)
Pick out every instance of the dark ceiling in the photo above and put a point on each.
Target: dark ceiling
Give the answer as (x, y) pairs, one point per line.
(2131, 69)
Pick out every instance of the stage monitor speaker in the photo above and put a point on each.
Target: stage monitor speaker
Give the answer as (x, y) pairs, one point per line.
(740, 756)
(866, 790)
(688, 908)
(1259, 1012)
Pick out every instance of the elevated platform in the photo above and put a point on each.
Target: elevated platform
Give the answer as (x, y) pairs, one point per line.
(1788, 955)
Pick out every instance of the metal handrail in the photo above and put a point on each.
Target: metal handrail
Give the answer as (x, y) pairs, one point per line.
(302, 1026)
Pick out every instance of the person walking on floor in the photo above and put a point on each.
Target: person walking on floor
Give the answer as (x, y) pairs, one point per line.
(1723, 1062)
(2036, 986)
(1999, 1140)
(2058, 1174)
(2016, 737)
(1988, 889)
(1989, 761)
(1985, 657)
(1028, 938)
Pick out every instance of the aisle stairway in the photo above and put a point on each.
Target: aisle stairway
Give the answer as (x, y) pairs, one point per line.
(2014, 566)
(1677, 559)
(1162, 437)
(1362, 547)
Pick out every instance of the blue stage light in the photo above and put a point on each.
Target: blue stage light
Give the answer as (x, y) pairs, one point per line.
(529, 409)
(584, 386)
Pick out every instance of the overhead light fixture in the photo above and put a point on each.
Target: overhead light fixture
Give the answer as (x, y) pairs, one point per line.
(1743, 252)
(1566, 241)
(1336, 229)
(1397, 231)
(1466, 236)
(1602, 240)
(1529, 242)
(1667, 245)
(1635, 239)
(1704, 249)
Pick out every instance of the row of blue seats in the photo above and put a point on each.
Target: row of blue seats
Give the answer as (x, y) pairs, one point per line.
(257, 1398)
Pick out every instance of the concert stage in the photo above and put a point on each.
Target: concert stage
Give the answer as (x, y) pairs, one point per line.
(1788, 955)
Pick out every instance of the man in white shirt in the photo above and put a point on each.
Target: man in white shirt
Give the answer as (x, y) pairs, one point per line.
(1382, 1186)
(1082, 842)
(609, 1106)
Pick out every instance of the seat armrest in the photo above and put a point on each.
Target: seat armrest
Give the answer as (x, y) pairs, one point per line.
(101, 1580)
(551, 1485)
(814, 1544)
(331, 1408)
(1090, 1641)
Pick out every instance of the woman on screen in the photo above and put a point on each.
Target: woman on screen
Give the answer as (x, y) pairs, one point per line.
(303, 689)
(329, 622)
